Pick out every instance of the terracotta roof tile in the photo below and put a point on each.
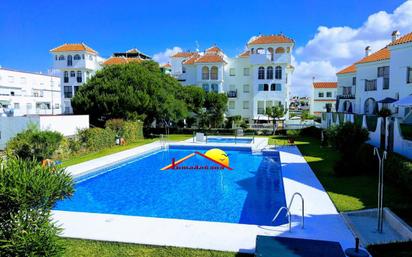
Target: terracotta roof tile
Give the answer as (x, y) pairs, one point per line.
(270, 39)
(402, 40)
(167, 65)
(209, 58)
(213, 49)
(244, 54)
(191, 59)
(349, 69)
(380, 55)
(120, 60)
(73, 48)
(325, 84)
(183, 54)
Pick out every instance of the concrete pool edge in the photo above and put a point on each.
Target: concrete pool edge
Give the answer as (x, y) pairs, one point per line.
(297, 176)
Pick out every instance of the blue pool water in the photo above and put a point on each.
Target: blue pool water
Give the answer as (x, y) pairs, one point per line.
(250, 193)
(229, 140)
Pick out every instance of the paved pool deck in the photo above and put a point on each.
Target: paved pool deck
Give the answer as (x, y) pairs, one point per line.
(322, 221)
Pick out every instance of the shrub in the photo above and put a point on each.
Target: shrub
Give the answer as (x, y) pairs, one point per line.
(34, 144)
(358, 119)
(292, 133)
(131, 131)
(399, 170)
(371, 122)
(28, 191)
(311, 131)
(97, 138)
(406, 131)
(347, 138)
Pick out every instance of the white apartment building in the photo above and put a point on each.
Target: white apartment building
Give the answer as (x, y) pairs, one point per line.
(27, 93)
(75, 64)
(378, 79)
(323, 97)
(258, 78)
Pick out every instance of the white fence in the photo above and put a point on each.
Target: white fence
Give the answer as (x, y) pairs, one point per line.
(400, 145)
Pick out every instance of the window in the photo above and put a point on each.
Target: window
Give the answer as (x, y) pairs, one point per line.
(56, 57)
(91, 57)
(370, 106)
(205, 87)
(409, 75)
(183, 69)
(79, 76)
(260, 107)
(320, 94)
(261, 73)
(56, 106)
(231, 105)
(383, 71)
(246, 72)
(215, 88)
(266, 87)
(213, 73)
(205, 73)
(72, 74)
(12, 93)
(68, 93)
(61, 58)
(66, 77)
(69, 60)
(76, 88)
(269, 72)
(276, 87)
(270, 53)
(83, 56)
(77, 57)
(260, 87)
(29, 106)
(232, 72)
(328, 94)
(16, 106)
(354, 81)
(370, 85)
(278, 72)
(280, 50)
(246, 88)
(245, 105)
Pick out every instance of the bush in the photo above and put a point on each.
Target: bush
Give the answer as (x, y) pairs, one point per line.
(399, 170)
(311, 131)
(358, 118)
(371, 122)
(347, 138)
(131, 131)
(28, 191)
(97, 138)
(34, 144)
(406, 131)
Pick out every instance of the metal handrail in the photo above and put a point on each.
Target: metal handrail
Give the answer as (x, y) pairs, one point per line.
(288, 214)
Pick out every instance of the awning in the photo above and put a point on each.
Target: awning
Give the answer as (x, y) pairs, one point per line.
(404, 102)
(4, 102)
(387, 100)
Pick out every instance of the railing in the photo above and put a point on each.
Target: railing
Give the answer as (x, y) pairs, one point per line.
(288, 214)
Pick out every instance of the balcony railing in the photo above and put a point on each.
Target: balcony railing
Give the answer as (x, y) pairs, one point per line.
(232, 94)
(346, 96)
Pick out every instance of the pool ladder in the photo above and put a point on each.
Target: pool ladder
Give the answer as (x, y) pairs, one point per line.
(288, 211)
(163, 142)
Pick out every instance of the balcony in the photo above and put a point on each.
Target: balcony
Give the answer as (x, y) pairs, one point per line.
(258, 59)
(346, 96)
(370, 85)
(232, 94)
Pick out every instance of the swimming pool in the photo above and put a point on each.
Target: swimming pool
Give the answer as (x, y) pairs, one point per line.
(250, 192)
(229, 140)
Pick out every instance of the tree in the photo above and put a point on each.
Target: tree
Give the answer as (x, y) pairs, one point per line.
(131, 91)
(216, 106)
(275, 112)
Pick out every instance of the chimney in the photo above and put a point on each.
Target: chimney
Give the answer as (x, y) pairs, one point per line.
(395, 35)
(367, 50)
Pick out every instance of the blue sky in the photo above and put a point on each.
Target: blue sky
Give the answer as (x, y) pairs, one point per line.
(29, 29)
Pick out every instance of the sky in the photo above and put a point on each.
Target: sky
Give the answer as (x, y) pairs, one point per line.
(329, 35)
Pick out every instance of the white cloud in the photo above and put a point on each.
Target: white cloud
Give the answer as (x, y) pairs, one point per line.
(336, 47)
(164, 57)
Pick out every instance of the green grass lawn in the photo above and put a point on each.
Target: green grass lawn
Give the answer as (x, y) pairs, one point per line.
(115, 149)
(348, 193)
(88, 248)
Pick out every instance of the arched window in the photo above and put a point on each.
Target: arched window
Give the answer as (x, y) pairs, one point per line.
(371, 107)
(77, 57)
(69, 60)
(79, 76)
(270, 53)
(261, 73)
(61, 58)
(287, 49)
(278, 72)
(183, 69)
(66, 77)
(205, 73)
(269, 72)
(72, 73)
(213, 73)
(260, 51)
(252, 51)
(280, 50)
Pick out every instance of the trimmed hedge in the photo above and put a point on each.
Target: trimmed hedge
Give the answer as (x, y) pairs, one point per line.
(131, 131)
(97, 138)
(358, 120)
